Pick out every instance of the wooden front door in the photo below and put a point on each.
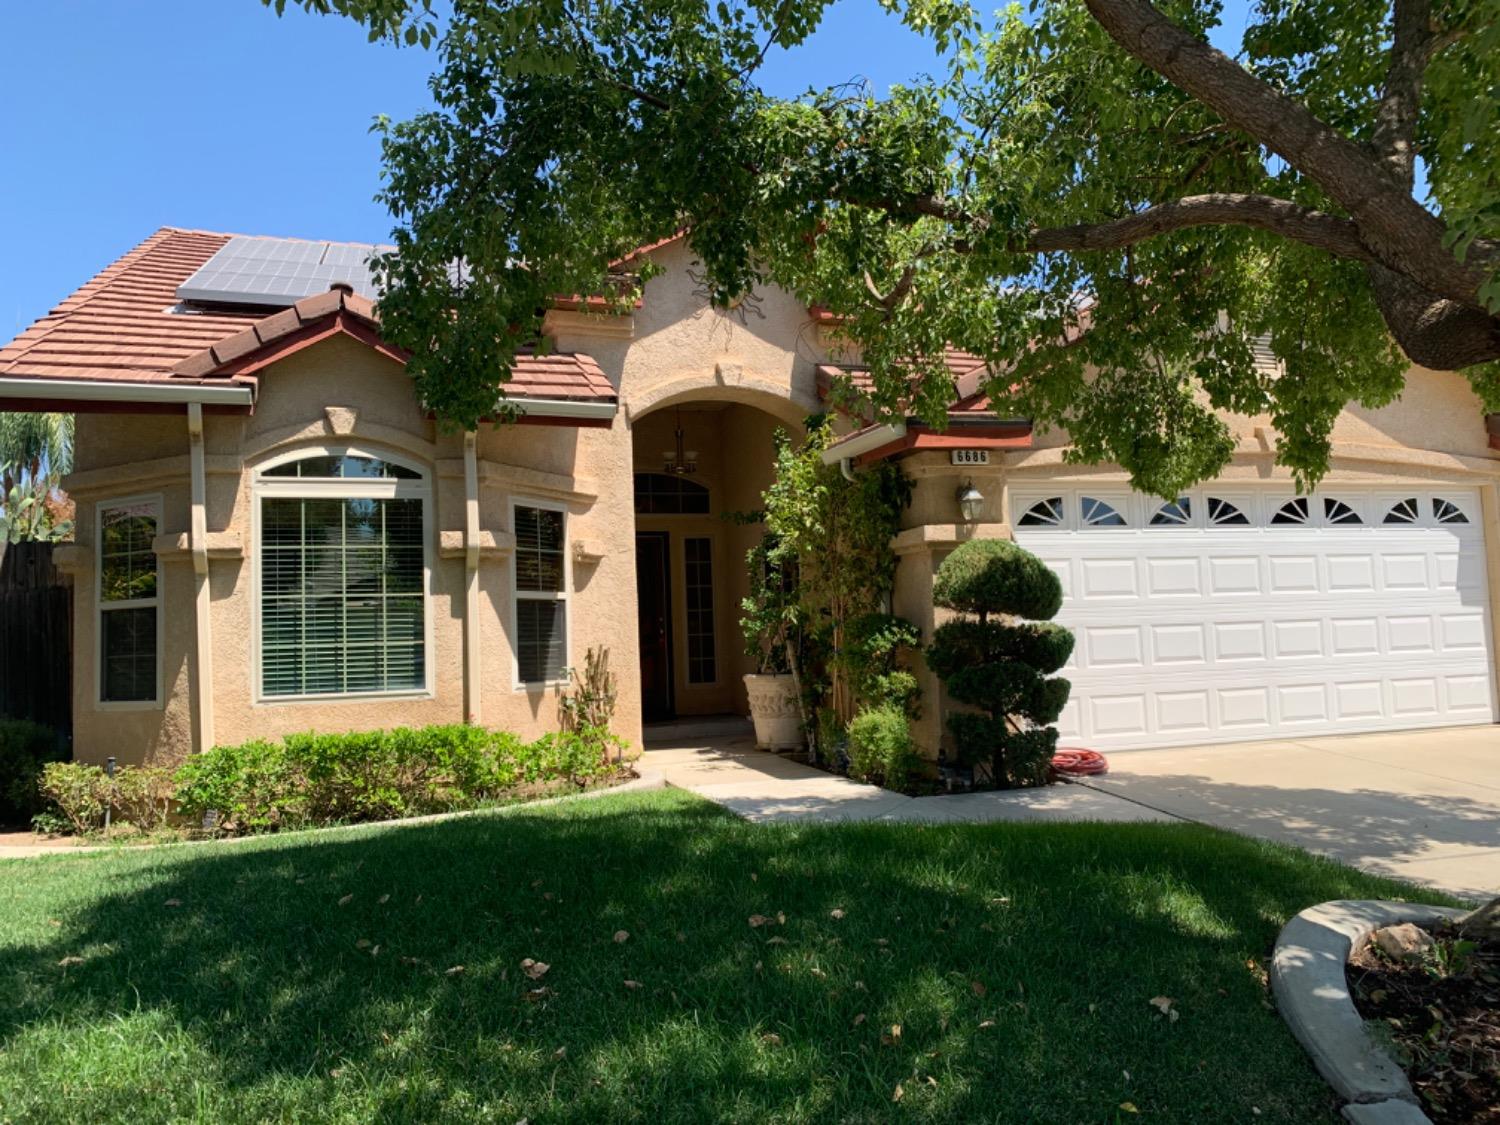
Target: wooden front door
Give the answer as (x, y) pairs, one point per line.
(653, 599)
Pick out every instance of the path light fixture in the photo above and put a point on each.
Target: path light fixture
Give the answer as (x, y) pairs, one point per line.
(970, 501)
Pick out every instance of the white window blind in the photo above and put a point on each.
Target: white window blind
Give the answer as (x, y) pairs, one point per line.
(342, 580)
(541, 597)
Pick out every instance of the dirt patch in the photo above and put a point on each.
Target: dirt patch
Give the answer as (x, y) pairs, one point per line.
(1440, 1018)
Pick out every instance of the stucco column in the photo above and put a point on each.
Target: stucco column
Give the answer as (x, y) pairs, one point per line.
(202, 669)
(471, 579)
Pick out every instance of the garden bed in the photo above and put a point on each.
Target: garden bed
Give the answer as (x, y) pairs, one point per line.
(1440, 1018)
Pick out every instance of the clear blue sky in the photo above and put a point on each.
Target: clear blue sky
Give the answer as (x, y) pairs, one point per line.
(121, 116)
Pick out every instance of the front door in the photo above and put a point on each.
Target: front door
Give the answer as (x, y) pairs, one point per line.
(653, 599)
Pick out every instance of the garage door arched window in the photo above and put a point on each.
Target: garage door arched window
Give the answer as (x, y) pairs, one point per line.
(1174, 513)
(1293, 512)
(1446, 511)
(1222, 513)
(1044, 513)
(1336, 511)
(1100, 513)
(1404, 511)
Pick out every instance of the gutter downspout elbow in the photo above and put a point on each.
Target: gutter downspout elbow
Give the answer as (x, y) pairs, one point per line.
(846, 466)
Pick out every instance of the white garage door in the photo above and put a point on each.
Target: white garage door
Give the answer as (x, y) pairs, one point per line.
(1236, 614)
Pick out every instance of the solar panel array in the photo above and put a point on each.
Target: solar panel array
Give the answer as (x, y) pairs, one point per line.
(279, 271)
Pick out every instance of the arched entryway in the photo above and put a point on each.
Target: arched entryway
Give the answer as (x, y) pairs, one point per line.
(690, 552)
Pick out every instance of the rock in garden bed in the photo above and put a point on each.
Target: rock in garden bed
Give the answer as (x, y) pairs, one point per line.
(1433, 999)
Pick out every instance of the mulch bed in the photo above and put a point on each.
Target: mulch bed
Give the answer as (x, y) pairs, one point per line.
(1443, 1019)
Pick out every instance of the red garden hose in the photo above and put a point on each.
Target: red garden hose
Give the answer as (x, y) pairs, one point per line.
(1073, 762)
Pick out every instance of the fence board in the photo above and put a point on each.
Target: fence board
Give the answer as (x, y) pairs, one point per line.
(36, 637)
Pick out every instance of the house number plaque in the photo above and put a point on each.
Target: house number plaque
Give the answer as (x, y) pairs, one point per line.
(970, 456)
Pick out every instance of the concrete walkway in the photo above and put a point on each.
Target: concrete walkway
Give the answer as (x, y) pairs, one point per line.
(1420, 805)
(760, 786)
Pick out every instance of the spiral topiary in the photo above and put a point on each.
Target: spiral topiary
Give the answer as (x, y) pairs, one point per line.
(997, 661)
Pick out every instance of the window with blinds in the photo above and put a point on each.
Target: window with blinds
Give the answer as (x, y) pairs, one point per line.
(541, 595)
(698, 565)
(129, 588)
(342, 580)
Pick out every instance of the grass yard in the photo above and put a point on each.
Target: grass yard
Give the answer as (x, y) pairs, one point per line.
(376, 974)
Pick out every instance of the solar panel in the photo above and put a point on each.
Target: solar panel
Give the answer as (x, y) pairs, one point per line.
(279, 271)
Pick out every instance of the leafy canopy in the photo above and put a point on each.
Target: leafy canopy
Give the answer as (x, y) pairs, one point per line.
(1085, 194)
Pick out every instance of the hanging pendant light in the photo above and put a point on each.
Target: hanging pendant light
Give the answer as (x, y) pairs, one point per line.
(679, 461)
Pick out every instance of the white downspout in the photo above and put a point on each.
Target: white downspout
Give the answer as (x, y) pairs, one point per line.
(846, 466)
(203, 661)
(471, 576)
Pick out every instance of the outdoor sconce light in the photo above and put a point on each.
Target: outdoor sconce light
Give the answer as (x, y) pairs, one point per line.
(970, 499)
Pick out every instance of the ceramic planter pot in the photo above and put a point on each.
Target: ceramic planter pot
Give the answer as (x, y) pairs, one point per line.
(773, 710)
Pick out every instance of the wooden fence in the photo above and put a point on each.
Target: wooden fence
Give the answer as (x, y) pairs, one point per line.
(36, 637)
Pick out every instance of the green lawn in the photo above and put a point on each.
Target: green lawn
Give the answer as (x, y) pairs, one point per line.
(375, 974)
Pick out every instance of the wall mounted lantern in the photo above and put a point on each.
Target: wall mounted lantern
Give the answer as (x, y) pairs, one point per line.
(970, 502)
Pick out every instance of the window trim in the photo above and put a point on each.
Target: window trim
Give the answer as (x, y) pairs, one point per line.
(158, 702)
(517, 595)
(338, 488)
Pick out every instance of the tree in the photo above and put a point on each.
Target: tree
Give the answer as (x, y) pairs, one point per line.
(1002, 666)
(1088, 195)
(34, 448)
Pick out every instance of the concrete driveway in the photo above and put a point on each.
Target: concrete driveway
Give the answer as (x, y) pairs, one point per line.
(1421, 805)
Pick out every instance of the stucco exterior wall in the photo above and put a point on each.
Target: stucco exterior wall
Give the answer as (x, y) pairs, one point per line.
(738, 375)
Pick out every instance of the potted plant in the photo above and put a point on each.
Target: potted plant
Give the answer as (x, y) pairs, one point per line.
(768, 619)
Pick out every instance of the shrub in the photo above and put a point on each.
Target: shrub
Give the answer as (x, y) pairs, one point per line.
(880, 747)
(1002, 666)
(251, 787)
(374, 775)
(875, 650)
(137, 795)
(25, 747)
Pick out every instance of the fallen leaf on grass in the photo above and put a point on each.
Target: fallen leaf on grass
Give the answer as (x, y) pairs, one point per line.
(66, 961)
(836, 915)
(362, 943)
(346, 900)
(457, 970)
(898, 1093)
(977, 987)
(757, 921)
(383, 899)
(621, 936)
(538, 994)
(771, 1039)
(173, 902)
(891, 1038)
(776, 941)
(859, 1019)
(633, 984)
(1166, 1006)
(1129, 1107)
(986, 1023)
(536, 970)
(560, 1053)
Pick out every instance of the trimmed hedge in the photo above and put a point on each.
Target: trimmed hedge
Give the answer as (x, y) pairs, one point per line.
(880, 747)
(311, 779)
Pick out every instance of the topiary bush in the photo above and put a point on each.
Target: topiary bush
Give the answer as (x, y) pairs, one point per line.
(998, 664)
(25, 747)
(881, 749)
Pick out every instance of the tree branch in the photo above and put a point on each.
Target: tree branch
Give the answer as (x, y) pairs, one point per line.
(1396, 115)
(1402, 233)
(1302, 224)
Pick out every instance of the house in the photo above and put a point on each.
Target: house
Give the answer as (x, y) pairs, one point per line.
(274, 536)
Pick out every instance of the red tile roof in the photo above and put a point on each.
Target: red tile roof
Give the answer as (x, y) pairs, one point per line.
(122, 327)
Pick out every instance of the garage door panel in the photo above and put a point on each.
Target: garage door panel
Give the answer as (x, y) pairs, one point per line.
(1219, 633)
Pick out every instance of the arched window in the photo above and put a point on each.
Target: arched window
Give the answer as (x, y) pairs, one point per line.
(1337, 511)
(1294, 511)
(1100, 513)
(342, 572)
(664, 494)
(1044, 513)
(1174, 513)
(1446, 511)
(1404, 511)
(1222, 512)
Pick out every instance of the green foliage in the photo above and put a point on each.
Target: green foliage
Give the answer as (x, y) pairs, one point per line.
(996, 576)
(881, 749)
(590, 702)
(25, 516)
(1000, 665)
(137, 795)
(25, 747)
(828, 561)
(876, 647)
(769, 613)
(564, 136)
(309, 779)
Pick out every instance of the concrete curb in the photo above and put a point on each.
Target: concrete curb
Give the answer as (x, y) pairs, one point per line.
(1307, 978)
(647, 780)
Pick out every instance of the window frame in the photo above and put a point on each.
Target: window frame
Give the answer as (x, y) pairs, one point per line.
(713, 616)
(517, 595)
(158, 701)
(338, 488)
